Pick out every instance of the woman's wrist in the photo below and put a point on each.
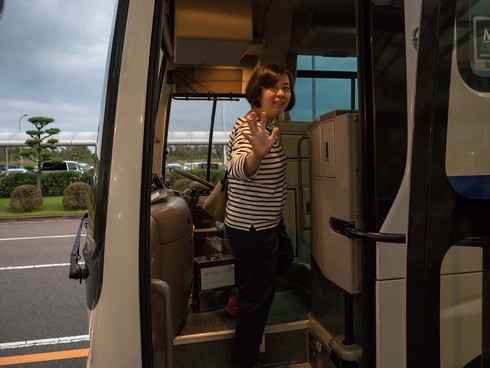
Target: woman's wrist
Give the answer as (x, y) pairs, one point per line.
(252, 162)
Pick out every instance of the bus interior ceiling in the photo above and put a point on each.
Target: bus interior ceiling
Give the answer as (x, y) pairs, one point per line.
(268, 30)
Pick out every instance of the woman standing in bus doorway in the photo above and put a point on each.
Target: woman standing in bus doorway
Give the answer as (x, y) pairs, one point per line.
(256, 197)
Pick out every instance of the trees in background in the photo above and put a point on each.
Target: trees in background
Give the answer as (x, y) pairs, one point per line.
(41, 144)
(70, 153)
(76, 153)
(193, 153)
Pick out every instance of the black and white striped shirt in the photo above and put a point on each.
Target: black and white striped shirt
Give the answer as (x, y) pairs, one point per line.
(257, 200)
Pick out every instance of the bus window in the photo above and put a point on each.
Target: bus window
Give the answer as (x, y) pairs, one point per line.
(324, 84)
(188, 138)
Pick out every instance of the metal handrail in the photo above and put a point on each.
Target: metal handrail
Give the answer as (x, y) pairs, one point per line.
(161, 287)
(348, 229)
(300, 223)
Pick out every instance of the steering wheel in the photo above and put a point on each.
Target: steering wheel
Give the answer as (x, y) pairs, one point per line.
(188, 175)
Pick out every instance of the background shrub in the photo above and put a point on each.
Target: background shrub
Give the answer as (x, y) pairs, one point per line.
(9, 182)
(55, 183)
(76, 196)
(215, 175)
(52, 184)
(26, 198)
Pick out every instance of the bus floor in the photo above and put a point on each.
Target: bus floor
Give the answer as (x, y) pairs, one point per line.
(207, 336)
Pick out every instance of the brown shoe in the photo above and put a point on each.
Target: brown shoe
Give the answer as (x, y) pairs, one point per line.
(232, 306)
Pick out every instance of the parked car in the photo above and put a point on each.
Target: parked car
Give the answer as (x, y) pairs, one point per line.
(61, 166)
(201, 165)
(204, 165)
(11, 166)
(85, 167)
(170, 167)
(13, 169)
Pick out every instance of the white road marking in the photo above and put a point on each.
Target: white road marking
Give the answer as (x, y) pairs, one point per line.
(39, 237)
(43, 342)
(49, 341)
(36, 266)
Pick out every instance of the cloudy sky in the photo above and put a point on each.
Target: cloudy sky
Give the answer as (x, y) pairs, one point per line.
(52, 62)
(53, 58)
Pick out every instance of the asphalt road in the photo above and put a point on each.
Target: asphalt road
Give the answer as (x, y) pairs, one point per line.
(43, 317)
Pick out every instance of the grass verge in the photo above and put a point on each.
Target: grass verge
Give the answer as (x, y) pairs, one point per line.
(52, 206)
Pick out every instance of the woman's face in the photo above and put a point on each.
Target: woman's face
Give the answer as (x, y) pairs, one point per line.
(274, 100)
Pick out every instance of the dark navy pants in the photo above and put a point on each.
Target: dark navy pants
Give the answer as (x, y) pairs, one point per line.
(260, 256)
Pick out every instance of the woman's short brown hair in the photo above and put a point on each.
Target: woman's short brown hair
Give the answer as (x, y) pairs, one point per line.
(265, 77)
